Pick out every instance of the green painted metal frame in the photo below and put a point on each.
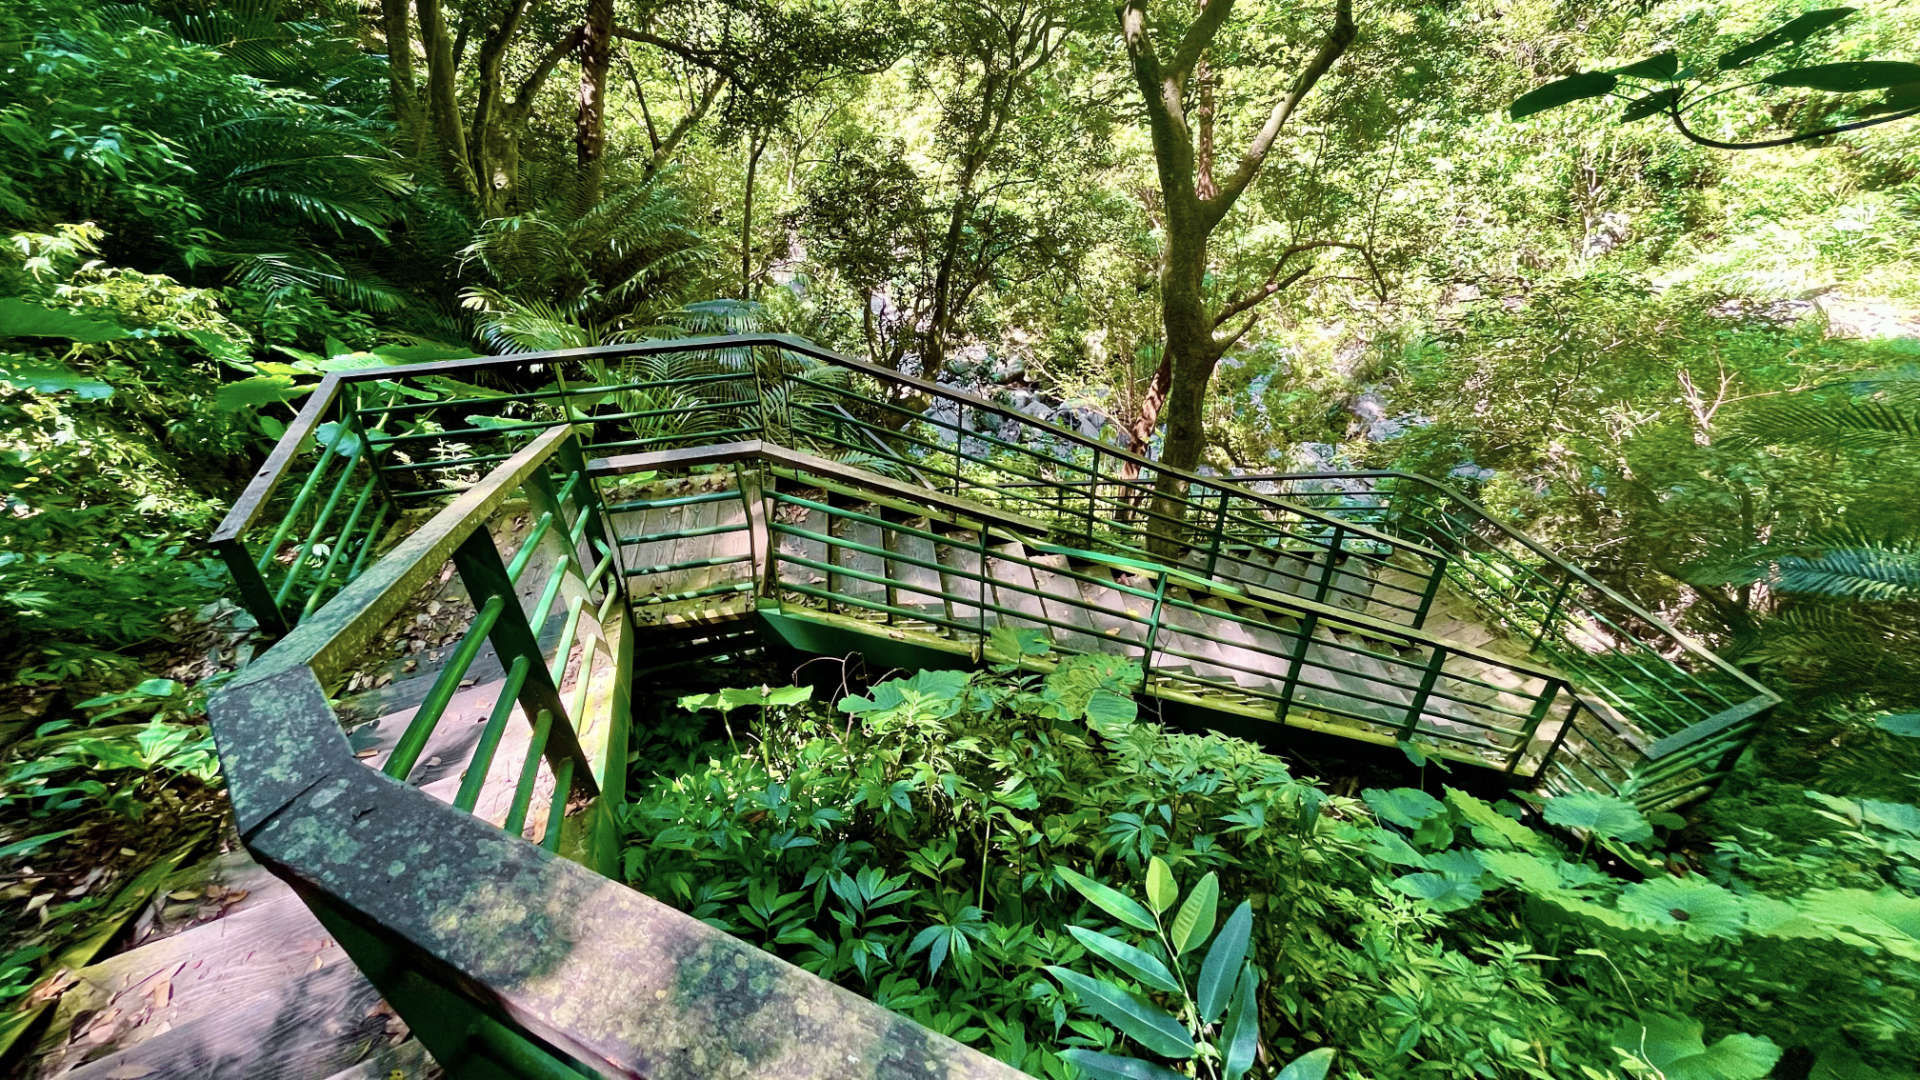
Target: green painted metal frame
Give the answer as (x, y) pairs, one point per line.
(504, 959)
(1701, 708)
(1096, 495)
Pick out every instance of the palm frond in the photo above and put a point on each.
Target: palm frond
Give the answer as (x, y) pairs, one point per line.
(1878, 406)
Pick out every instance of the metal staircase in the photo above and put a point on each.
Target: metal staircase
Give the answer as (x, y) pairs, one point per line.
(601, 509)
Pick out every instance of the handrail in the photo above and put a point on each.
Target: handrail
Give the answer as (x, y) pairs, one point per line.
(1685, 641)
(495, 951)
(728, 453)
(326, 640)
(247, 507)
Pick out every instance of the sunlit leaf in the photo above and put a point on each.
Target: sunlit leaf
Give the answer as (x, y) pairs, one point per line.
(1224, 957)
(1240, 1035)
(1440, 891)
(1403, 806)
(1695, 908)
(21, 319)
(1193, 923)
(1162, 889)
(1140, 964)
(1674, 1046)
(1587, 84)
(1099, 1066)
(1137, 1019)
(1312, 1065)
(1109, 900)
(1907, 724)
(53, 379)
(257, 391)
(1794, 30)
(1604, 816)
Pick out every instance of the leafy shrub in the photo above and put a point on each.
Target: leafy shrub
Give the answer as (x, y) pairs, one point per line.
(970, 850)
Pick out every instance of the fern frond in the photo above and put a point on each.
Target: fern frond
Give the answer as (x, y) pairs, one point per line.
(1878, 406)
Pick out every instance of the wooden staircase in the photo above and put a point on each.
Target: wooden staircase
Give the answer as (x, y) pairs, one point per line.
(881, 566)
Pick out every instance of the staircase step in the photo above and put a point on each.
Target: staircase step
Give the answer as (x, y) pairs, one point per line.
(962, 583)
(204, 1002)
(1115, 613)
(315, 1024)
(921, 588)
(1014, 589)
(797, 547)
(1063, 604)
(870, 535)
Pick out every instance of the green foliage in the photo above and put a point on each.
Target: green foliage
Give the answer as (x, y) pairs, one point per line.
(1696, 88)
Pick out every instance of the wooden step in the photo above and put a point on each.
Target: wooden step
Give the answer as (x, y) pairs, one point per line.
(1063, 604)
(790, 546)
(961, 580)
(1014, 589)
(736, 544)
(920, 588)
(264, 992)
(1118, 614)
(870, 535)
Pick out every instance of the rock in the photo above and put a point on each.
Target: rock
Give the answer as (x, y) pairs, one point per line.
(967, 362)
(1006, 369)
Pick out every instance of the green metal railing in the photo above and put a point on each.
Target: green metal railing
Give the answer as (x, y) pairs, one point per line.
(971, 568)
(1658, 717)
(696, 392)
(503, 958)
(1691, 711)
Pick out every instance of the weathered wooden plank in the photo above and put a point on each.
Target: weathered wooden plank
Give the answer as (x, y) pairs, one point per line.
(921, 586)
(313, 1025)
(961, 584)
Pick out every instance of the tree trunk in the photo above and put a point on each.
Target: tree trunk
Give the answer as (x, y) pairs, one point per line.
(590, 117)
(1190, 357)
(756, 144)
(398, 28)
(443, 102)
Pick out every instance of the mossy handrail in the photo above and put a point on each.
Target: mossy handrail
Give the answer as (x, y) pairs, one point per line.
(503, 958)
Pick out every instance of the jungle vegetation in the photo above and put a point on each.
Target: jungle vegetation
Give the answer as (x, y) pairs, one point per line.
(1640, 277)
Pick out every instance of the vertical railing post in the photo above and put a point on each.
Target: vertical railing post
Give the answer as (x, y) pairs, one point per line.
(1435, 573)
(600, 531)
(959, 440)
(1153, 630)
(1428, 677)
(512, 637)
(1336, 546)
(255, 595)
(1553, 748)
(1219, 531)
(1537, 717)
(1553, 609)
(1307, 626)
(985, 573)
(1093, 494)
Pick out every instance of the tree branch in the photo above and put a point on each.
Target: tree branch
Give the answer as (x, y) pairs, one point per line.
(1213, 13)
(1275, 284)
(1166, 116)
(1673, 110)
(1337, 40)
(523, 99)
